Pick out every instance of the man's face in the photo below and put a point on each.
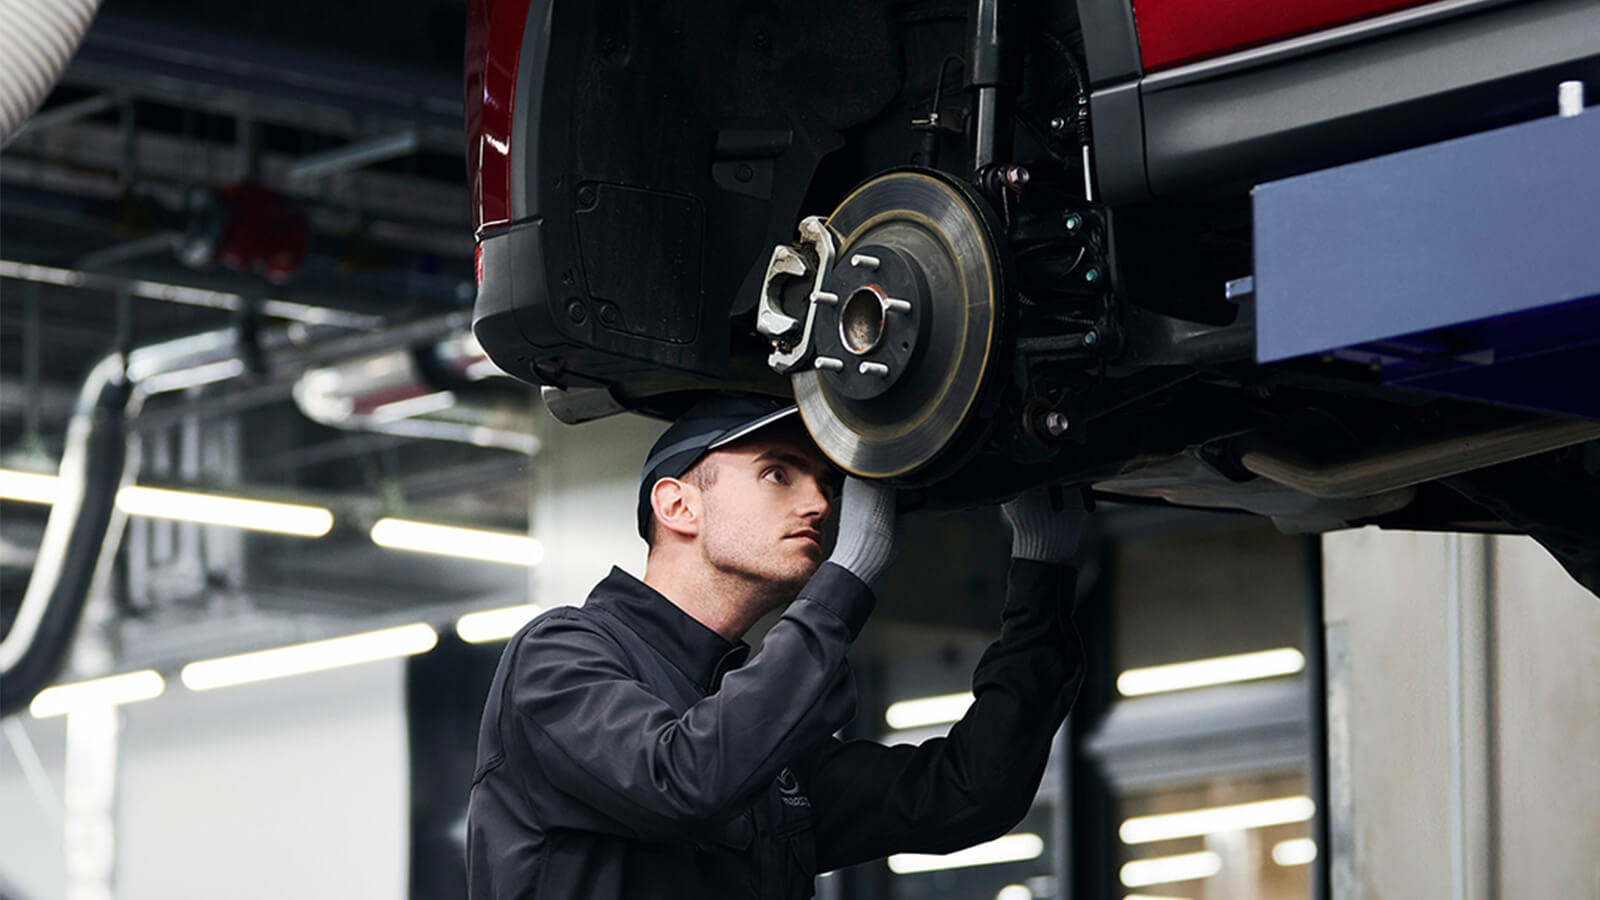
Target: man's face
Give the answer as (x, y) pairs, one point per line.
(765, 509)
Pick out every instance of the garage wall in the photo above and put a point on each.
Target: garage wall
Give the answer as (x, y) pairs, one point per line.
(1464, 719)
(30, 840)
(289, 788)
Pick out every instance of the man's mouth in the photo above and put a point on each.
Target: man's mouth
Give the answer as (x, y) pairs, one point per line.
(814, 537)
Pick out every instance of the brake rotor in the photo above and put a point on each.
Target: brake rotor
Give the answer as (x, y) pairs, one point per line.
(909, 345)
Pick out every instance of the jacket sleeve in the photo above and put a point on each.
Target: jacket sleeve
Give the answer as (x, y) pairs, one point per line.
(869, 800)
(626, 763)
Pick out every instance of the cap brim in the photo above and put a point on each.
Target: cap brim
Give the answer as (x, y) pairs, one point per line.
(750, 428)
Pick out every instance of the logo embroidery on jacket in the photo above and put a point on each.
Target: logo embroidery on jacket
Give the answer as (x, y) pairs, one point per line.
(789, 789)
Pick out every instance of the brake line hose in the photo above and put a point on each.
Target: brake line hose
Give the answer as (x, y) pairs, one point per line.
(37, 40)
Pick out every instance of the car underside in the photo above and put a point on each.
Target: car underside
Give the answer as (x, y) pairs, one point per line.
(993, 244)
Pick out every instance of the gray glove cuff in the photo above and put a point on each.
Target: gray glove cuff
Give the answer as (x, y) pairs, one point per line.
(1041, 530)
(866, 529)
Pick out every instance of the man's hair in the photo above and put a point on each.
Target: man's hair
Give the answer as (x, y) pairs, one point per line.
(703, 474)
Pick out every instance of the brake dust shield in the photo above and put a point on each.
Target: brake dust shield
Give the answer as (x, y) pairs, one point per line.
(908, 329)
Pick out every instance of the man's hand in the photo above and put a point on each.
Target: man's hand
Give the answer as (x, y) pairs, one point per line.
(1046, 522)
(866, 529)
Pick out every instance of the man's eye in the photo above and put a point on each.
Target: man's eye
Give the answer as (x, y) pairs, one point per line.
(777, 474)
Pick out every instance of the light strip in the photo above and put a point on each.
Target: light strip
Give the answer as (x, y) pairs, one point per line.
(495, 624)
(216, 509)
(1011, 848)
(184, 506)
(1014, 892)
(210, 373)
(1166, 826)
(317, 656)
(1151, 897)
(928, 710)
(1296, 852)
(42, 274)
(1207, 672)
(420, 405)
(159, 290)
(467, 543)
(100, 692)
(1168, 869)
(29, 487)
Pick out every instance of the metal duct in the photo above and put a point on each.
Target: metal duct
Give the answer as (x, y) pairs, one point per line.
(1373, 469)
(422, 392)
(37, 42)
(101, 455)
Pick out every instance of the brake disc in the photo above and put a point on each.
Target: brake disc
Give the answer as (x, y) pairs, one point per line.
(903, 328)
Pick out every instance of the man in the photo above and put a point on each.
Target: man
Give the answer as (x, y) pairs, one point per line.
(629, 749)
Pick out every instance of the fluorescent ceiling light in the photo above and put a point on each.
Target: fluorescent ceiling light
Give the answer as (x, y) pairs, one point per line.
(317, 656)
(29, 487)
(1166, 826)
(494, 624)
(928, 710)
(184, 506)
(1206, 672)
(467, 543)
(216, 509)
(1167, 869)
(113, 691)
(1014, 892)
(1011, 848)
(210, 373)
(1151, 897)
(1295, 852)
(160, 290)
(42, 274)
(420, 405)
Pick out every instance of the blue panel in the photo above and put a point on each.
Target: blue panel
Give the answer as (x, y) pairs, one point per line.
(1492, 225)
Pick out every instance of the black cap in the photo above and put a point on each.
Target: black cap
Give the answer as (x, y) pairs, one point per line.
(714, 422)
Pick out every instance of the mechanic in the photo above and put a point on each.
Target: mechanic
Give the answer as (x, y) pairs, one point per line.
(629, 749)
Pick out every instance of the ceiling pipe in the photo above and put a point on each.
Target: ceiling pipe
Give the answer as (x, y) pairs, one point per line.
(102, 455)
(38, 41)
(426, 391)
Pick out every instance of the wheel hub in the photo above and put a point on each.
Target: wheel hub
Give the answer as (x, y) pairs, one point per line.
(888, 318)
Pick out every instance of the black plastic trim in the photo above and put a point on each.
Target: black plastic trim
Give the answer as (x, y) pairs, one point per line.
(1464, 74)
(1110, 41)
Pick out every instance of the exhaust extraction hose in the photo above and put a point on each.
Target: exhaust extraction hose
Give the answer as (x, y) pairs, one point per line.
(37, 40)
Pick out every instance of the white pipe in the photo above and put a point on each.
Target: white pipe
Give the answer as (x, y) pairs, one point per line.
(37, 41)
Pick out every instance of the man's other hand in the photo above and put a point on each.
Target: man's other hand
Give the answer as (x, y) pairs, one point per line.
(1046, 522)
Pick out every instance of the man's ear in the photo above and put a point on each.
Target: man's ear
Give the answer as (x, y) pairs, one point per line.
(676, 505)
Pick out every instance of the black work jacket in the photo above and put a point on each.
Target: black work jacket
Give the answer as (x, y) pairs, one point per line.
(627, 751)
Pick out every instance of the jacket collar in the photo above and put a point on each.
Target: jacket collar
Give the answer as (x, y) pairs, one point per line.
(695, 650)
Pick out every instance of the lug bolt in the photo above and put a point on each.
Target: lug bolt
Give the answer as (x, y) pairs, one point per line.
(874, 368)
(829, 364)
(899, 306)
(828, 297)
(863, 261)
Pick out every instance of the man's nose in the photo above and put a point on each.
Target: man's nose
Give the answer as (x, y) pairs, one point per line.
(817, 505)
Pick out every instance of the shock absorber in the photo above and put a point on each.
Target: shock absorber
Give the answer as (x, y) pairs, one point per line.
(994, 72)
